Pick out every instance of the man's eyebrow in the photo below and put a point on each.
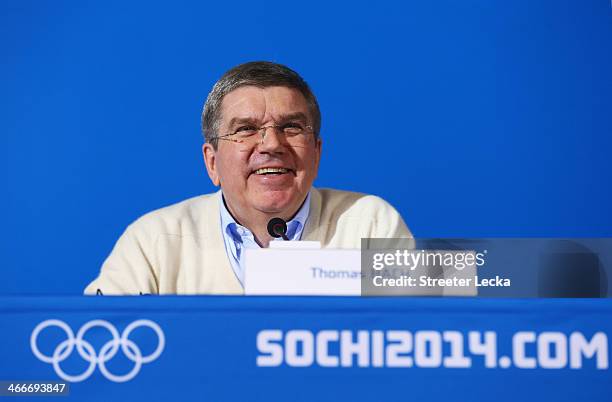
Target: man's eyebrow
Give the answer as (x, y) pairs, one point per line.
(292, 116)
(282, 118)
(241, 120)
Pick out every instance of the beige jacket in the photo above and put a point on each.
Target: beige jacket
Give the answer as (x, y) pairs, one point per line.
(180, 250)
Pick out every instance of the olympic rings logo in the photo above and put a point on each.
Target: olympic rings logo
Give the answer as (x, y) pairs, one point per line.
(107, 352)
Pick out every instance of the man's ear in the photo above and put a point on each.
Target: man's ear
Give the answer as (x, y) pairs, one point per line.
(210, 159)
(318, 145)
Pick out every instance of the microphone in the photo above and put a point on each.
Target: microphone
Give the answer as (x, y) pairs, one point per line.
(277, 227)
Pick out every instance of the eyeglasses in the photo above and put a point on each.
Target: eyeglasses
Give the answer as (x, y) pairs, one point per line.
(295, 134)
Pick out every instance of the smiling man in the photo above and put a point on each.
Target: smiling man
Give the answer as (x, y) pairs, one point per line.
(268, 156)
(261, 124)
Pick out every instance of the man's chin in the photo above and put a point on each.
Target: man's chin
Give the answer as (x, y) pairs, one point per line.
(275, 203)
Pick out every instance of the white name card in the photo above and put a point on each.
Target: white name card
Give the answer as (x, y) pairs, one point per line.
(303, 244)
(299, 271)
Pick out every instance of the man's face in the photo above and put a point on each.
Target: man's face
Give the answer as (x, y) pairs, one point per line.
(236, 168)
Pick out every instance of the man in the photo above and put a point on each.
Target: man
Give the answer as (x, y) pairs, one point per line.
(261, 124)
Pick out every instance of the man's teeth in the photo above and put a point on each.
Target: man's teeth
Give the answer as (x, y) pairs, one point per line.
(271, 170)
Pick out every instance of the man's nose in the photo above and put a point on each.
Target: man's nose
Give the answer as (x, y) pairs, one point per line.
(271, 140)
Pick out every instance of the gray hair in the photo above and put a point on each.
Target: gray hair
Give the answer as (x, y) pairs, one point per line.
(261, 74)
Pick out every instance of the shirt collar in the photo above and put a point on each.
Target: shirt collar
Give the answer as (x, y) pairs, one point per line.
(236, 231)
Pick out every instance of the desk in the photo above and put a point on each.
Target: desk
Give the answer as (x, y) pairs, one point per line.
(216, 348)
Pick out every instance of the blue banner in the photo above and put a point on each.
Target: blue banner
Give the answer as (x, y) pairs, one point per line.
(308, 348)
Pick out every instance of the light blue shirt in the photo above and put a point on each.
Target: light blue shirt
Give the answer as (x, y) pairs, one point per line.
(237, 237)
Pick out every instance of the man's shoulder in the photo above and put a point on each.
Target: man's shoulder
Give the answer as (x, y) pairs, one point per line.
(178, 218)
(348, 215)
(352, 203)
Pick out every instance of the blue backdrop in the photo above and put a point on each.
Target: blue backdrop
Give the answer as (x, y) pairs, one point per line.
(474, 118)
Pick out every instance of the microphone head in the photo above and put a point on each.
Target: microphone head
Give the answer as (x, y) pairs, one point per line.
(277, 227)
